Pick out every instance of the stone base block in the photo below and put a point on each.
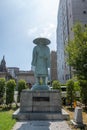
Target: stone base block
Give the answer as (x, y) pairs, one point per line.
(40, 101)
(40, 115)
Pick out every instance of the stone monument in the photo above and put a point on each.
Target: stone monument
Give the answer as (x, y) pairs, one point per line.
(40, 103)
(78, 115)
(78, 119)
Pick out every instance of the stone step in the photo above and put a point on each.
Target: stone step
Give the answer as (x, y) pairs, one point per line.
(40, 115)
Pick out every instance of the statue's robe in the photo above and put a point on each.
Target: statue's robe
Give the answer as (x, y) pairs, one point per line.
(41, 60)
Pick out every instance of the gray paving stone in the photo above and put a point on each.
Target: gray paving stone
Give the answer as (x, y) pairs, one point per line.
(41, 125)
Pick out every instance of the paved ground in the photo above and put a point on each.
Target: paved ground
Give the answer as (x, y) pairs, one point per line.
(41, 125)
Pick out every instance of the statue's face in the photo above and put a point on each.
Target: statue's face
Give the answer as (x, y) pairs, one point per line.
(40, 44)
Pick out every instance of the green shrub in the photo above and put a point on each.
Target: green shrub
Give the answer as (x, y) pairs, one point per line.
(2, 90)
(10, 85)
(70, 91)
(21, 86)
(56, 85)
(83, 85)
(77, 89)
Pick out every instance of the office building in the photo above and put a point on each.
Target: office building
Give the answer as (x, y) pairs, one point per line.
(53, 68)
(69, 13)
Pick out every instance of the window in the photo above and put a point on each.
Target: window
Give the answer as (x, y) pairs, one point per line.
(84, 12)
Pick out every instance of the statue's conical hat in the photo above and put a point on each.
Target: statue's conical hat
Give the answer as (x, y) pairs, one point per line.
(44, 41)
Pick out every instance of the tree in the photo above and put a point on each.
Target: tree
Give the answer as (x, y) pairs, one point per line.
(77, 89)
(21, 86)
(56, 85)
(10, 85)
(83, 85)
(77, 51)
(2, 90)
(70, 91)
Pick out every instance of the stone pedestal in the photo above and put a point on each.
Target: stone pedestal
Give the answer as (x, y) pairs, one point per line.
(40, 105)
(40, 101)
(78, 115)
(78, 120)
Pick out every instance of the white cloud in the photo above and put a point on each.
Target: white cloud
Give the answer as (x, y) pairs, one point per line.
(32, 31)
(42, 31)
(48, 31)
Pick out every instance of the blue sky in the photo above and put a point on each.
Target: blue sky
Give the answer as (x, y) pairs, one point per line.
(21, 21)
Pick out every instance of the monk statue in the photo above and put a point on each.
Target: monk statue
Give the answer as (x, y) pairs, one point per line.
(41, 60)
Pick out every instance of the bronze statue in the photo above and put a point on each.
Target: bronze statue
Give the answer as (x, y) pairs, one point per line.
(41, 59)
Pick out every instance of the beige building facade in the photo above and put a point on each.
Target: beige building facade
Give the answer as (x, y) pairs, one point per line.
(28, 76)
